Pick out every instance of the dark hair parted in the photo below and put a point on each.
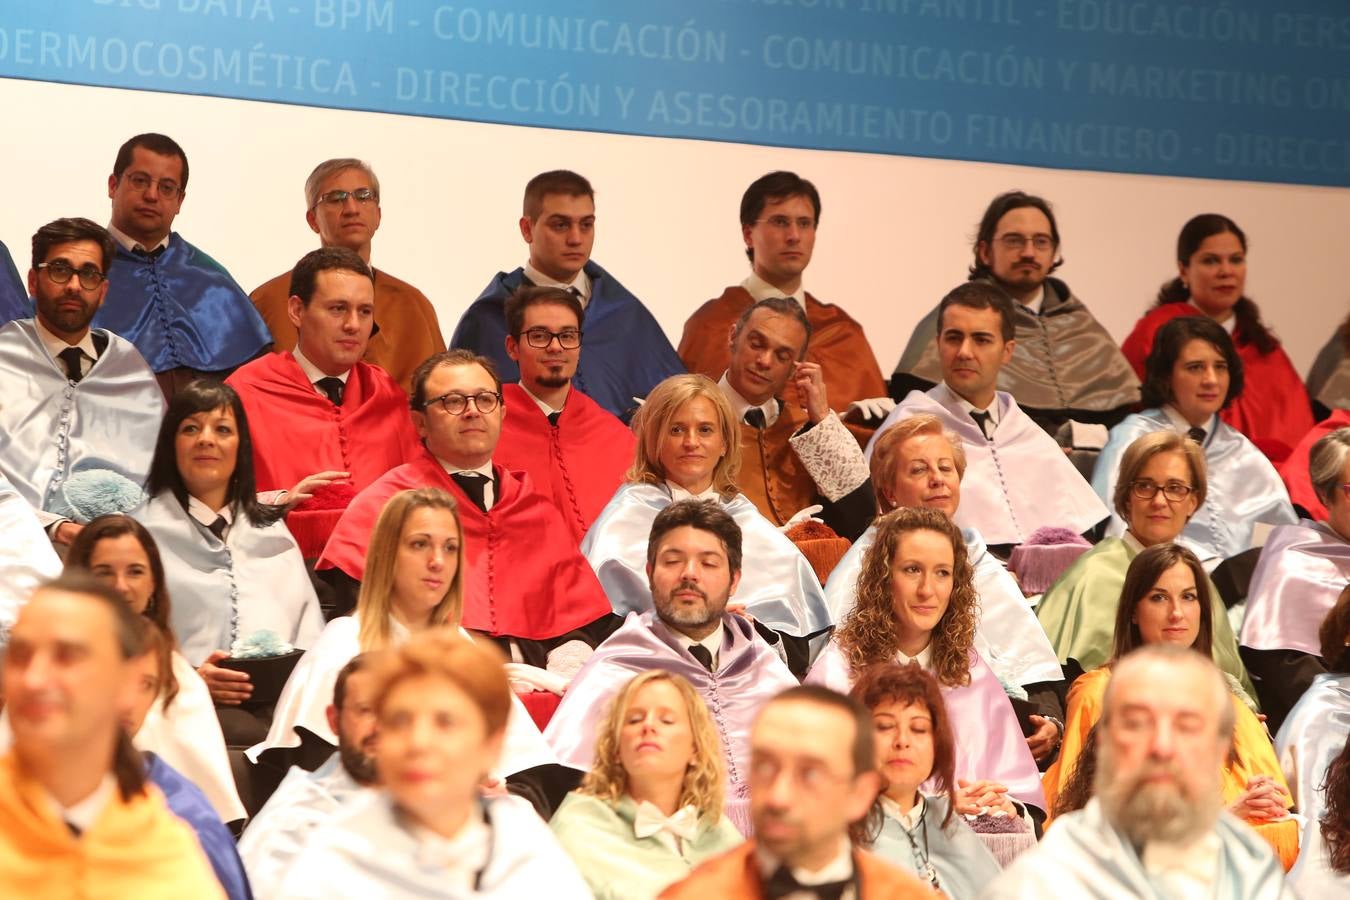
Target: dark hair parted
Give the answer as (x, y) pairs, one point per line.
(557, 181)
(1333, 634)
(864, 752)
(910, 685)
(1144, 572)
(779, 306)
(305, 275)
(1168, 345)
(1077, 790)
(155, 143)
(456, 357)
(64, 231)
(774, 187)
(206, 395)
(705, 515)
(981, 295)
(868, 633)
(361, 662)
(999, 207)
(1335, 822)
(81, 554)
(528, 295)
(1249, 329)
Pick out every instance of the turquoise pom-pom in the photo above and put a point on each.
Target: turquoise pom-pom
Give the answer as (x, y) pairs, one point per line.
(97, 492)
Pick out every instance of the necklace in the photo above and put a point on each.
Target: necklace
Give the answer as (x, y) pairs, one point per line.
(921, 860)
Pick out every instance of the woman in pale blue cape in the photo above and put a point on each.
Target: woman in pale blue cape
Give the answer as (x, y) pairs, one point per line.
(650, 809)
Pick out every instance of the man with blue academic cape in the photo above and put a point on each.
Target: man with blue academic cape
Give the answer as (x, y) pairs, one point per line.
(181, 309)
(13, 298)
(627, 353)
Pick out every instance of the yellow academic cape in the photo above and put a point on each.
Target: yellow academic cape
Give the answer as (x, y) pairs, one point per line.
(135, 849)
(1253, 754)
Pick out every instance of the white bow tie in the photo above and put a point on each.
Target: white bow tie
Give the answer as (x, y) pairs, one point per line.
(650, 821)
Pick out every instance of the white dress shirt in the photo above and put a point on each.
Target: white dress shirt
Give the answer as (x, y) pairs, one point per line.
(1033, 305)
(582, 283)
(969, 408)
(838, 869)
(55, 345)
(313, 373)
(207, 516)
(130, 244)
(759, 289)
(740, 405)
(544, 407)
(84, 813)
(489, 489)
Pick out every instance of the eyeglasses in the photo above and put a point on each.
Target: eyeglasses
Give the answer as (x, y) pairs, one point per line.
(539, 338)
(334, 199)
(168, 188)
(783, 223)
(455, 404)
(59, 271)
(1018, 241)
(1173, 490)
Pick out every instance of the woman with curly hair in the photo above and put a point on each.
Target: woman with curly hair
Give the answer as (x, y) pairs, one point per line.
(917, 603)
(650, 809)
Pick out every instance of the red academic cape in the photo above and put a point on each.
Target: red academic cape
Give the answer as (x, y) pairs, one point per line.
(1294, 472)
(1273, 411)
(837, 343)
(525, 579)
(297, 431)
(581, 461)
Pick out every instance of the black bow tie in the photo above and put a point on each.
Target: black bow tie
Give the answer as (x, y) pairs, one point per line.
(553, 418)
(782, 883)
(755, 416)
(1197, 435)
(333, 387)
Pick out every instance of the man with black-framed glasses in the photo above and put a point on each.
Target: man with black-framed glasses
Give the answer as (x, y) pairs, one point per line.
(571, 448)
(180, 307)
(81, 408)
(342, 206)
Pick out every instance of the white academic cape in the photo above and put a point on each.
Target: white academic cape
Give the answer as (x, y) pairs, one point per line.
(26, 554)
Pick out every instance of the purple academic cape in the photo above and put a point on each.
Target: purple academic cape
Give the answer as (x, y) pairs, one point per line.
(1303, 569)
(749, 674)
(989, 742)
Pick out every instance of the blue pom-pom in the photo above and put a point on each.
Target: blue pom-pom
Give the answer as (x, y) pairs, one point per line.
(97, 492)
(260, 644)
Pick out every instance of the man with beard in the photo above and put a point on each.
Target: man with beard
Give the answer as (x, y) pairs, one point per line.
(1066, 366)
(693, 566)
(79, 401)
(572, 449)
(1155, 826)
(305, 800)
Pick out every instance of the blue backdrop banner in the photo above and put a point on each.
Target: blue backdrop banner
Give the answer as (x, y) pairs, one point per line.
(1236, 89)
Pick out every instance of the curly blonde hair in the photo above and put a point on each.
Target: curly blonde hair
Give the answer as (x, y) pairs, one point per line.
(868, 633)
(652, 422)
(703, 786)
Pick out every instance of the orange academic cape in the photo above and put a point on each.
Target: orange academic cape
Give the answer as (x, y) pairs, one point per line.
(408, 332)
(736, 874)
(580, 462)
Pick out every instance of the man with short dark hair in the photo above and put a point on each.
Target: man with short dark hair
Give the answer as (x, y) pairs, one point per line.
(526, 585)
(1156, 826)
(180, 307)
(812, 775)
(570, 447)
(305, 800)
(342, 206)
(693, 567)
(780, 213)
(627, 353)
(77, 818)
(1010, 459)
(319, 407)
(81, 411)
(1066, 367)
(793, 454)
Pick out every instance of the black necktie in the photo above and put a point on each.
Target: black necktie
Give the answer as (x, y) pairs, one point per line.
(73, 357)
(575, 292)
(781, 883)
(983, 419)
(473, 485)
(149, 255)
(333, 387)
(755, 416)
(553, 418)
(218, 527)
(1197, 435)
(75, 830)
(702, 654)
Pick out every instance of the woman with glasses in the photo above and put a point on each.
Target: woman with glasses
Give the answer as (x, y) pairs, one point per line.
(688, 446)
(1212, 276)
(1162, 482)
(1166, 600)
(1302, 570)
(1193, 374)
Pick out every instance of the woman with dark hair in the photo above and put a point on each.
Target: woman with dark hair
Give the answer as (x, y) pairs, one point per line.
(1166, 600)
(181, 727)
(908, 826)
(1212, 273)
(1193, 373)
(1311, 747)
(917, 603)
(228, 559)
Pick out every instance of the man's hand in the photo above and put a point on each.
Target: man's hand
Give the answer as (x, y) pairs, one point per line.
(66, 532)
(227, 687)
(1044, 739)
(810, 384)
(311, 483)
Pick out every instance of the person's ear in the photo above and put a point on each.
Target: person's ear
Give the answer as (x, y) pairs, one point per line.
(331, 713)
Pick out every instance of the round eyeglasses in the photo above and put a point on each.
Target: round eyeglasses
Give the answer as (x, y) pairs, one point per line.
(455, 404)
(1173, 490)
(59, 271)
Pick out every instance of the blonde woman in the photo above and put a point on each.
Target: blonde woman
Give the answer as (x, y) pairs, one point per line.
(688, 446)
(651, 807)
(414, 582)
